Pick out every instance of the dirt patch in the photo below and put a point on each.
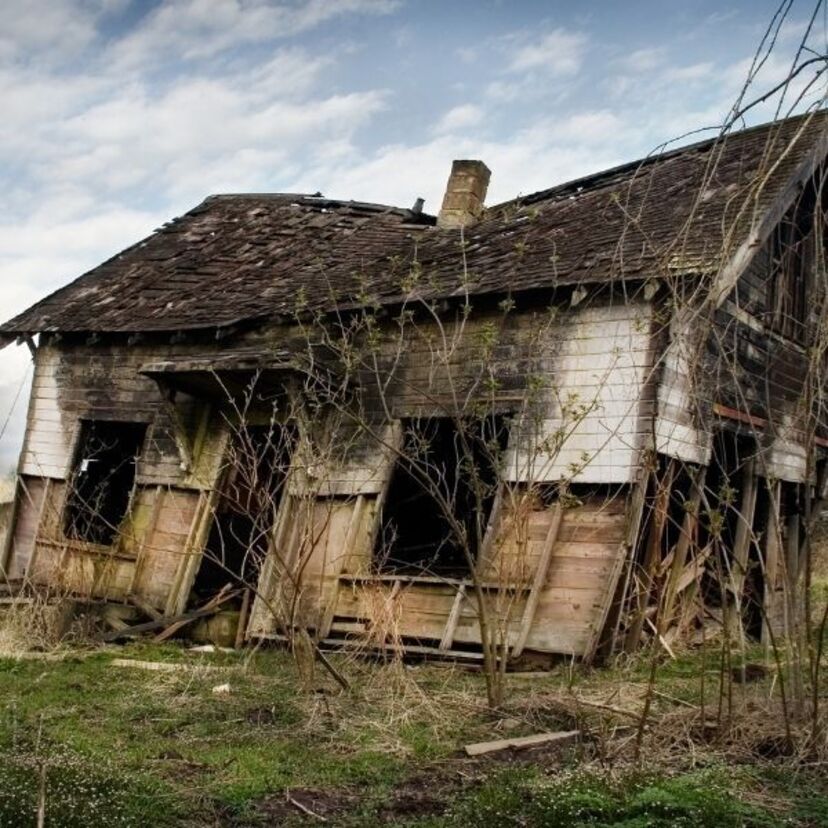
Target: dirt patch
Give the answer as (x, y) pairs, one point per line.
(262, 716)
(421, 796)
(298, 803)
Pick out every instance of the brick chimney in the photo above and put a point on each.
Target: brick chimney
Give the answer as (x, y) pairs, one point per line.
(465, 194)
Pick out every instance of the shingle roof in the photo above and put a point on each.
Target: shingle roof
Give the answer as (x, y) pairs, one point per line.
(242, 257)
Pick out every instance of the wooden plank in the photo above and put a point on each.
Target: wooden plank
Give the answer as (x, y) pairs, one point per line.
(149, 531)
(614, 596)
(521, 742)
(538, 582)
(47, 488)
(652, 555)
(686, 542)
(347, 547)
(744, 532)
(454, 616)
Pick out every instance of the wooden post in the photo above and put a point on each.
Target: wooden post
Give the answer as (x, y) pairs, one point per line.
(652, 555)
(744, 532)
(41, 513)
(617, 589)
(773, 553)
(686, 542)
(243, 614)
(454, 616)
(8, 543)
(541, 572)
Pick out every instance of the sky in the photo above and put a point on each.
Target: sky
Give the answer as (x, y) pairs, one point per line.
(117, 115)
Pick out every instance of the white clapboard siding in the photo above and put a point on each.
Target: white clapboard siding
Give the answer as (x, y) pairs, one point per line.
(676, 431)
(602, 364)
(48, 444)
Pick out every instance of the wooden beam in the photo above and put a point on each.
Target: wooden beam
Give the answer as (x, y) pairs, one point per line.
(652, 555)
(773, 558)
(247, 596)
(744, 531)
(538, 582)
(686, 542)
(182, 442)
(454, 617)
(616, 592)
(175, 622)
(41, 512)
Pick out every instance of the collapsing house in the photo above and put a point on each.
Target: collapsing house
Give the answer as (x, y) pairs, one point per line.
(573, 422)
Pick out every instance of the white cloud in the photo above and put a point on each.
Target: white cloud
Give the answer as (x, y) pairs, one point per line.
(559, 52)
(533, 158)
(192, 29)
(643, 60)
(50, 29)
(688, 74)
(459, 118)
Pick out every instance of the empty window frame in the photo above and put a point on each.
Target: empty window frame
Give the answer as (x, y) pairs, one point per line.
(102, 480)
(440, 495)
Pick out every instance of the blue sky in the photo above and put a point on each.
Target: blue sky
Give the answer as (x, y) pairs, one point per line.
(119, 114)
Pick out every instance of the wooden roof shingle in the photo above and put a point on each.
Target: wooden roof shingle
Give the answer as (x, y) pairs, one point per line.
(245, 257)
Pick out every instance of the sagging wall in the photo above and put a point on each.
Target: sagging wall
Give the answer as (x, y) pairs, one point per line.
(586, 424)
(585, 420)
(741, 362)
(75, 382)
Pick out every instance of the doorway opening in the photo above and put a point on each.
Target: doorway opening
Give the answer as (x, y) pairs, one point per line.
(441, 495)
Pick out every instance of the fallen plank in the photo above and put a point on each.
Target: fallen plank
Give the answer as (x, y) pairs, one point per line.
(170, 624)
(164, 666)
(210, 608)
(146, 608)
(518, 742)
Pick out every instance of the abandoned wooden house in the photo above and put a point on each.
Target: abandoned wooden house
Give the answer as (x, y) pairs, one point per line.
(589, 417)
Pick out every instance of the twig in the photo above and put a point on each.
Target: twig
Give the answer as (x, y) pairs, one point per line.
(304, 808)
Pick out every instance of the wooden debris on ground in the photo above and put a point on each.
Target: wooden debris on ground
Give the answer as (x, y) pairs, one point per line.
(169, 626)
(164, 666)
(520, 742)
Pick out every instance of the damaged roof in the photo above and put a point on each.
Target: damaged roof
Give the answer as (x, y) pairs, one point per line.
(237, 258)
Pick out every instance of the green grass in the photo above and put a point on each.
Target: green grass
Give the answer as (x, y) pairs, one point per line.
(123, 747)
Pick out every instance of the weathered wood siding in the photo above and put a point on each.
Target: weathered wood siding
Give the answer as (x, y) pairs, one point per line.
(597, 410)
(735, 361)
(385, 610)
(75, 382)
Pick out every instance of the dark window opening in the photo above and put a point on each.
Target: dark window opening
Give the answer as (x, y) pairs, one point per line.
(447, 468)
(257, 466)
(102, 481)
